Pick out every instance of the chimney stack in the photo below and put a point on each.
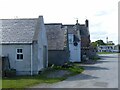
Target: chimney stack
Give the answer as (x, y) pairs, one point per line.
(77, 21)
(86, 23)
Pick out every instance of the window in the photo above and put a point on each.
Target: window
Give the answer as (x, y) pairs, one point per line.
(19, 54)
(70, 37)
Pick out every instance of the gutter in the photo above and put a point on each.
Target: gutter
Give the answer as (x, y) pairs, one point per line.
(31, 68)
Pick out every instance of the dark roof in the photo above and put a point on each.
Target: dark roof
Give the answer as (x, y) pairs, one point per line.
(17, 30)
(71, 29)
(56, 36)
(53, 23)
(84, 30)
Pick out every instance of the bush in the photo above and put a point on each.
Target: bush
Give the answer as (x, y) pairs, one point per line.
(9, 73)
(95, 58)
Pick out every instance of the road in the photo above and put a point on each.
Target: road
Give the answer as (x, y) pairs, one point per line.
(103, 74)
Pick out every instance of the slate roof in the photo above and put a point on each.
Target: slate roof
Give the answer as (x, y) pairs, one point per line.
(84, 30)
(17, 30)
(56, 36)
(71, 28)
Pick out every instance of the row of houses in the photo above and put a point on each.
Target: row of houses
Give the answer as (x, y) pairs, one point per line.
(29, 45)
(108, 48)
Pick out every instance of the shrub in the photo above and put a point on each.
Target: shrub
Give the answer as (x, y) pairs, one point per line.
(9, 73)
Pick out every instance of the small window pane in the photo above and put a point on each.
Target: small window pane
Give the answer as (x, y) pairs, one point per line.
(19, 56)
(19, 50)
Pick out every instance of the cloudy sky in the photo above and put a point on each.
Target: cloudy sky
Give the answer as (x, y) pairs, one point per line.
(102, 14)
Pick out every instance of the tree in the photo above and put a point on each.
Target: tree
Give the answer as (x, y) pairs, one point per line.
(97, 43)
(94, 44)
(100, 42)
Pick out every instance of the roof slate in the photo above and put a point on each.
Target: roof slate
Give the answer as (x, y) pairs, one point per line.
(55, 36)
(84, 30)
(71, 29)
(17, 30)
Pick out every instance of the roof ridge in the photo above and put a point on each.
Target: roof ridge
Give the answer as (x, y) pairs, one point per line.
(20, 19)
(53, 23)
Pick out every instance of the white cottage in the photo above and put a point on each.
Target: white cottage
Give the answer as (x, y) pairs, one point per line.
(74, 42)
(24, 43)
(105, 48)
(74, 47)
(108, 48)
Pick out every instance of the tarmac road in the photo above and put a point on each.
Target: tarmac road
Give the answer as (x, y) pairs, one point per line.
(103, 74)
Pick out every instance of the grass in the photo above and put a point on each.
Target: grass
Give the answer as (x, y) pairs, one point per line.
(27, 81)
(95, 58)
(106, 53)
(75, 69)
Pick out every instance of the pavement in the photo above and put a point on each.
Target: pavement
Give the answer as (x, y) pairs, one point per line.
(103, 74)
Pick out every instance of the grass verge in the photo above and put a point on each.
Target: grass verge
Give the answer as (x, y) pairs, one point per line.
(107, 53)
(28, 81)
(95, 58)
(74, 69)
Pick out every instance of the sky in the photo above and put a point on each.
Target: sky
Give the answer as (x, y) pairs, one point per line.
(102, 14)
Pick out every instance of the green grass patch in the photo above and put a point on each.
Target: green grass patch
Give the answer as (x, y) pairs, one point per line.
(107, 53)
(25, 81)
(28, 81)
(74, 68)
(95, 58)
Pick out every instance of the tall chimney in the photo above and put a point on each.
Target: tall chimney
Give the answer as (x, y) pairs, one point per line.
(86, 23)
(77, 21)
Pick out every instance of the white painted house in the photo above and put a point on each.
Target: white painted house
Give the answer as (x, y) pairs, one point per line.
(105, 48)
(24, 42)
(74, 42)
(74, 48)
(116, 48)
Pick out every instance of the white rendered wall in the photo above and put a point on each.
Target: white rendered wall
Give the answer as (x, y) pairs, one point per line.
(75, 51)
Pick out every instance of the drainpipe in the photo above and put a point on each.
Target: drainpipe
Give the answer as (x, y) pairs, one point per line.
(31, 61)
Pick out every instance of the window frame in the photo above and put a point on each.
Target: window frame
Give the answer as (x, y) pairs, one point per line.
(19, 53)
(70, 38)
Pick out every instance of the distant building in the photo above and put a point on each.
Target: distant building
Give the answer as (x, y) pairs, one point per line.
(108, 48)
(116, 48)
(110, 42)
(105, 48)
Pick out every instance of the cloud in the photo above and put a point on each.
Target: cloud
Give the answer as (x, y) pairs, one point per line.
(101, 13)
